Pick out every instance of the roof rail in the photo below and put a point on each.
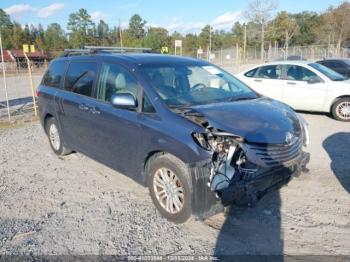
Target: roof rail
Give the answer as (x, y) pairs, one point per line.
(87, 50)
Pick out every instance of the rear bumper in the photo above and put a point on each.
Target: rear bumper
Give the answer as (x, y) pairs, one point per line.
(206, 203)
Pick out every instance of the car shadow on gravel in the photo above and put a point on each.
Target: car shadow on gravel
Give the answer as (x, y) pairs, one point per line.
(338, 148)
(252, 233)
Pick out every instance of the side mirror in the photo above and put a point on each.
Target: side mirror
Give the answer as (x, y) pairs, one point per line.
(314, 80)
(124, 101)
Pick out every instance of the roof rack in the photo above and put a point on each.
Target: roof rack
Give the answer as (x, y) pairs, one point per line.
(88, 50)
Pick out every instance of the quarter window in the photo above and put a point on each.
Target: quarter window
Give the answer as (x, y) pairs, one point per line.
(115, 79)
(299, 73)
(147, 106)
(54, 74)
(80, 77)
(270, 72)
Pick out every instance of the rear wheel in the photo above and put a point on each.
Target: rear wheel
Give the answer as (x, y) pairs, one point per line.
(170, 187)
(55, 137)
(341, 109)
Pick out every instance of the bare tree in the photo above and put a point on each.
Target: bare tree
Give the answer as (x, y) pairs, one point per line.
(340, 21)
(260, 12)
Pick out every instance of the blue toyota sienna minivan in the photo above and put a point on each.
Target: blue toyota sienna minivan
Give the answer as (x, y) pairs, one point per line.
(195, 135)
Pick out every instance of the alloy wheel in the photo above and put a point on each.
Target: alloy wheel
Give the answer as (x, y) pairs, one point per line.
(168, 190)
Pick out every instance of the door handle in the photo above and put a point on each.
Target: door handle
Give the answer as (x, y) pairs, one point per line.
(257, 80)
(83, 107)
(291, 83)
(95, 111)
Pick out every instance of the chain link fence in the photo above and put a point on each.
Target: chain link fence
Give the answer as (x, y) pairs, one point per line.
(237, 59)
(19, 81)
(16, 93)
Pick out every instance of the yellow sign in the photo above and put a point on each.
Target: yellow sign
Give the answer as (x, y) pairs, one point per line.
(26, 48)
(165, 49)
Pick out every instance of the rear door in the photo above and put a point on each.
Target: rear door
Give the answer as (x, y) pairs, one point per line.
(50, 85)
(267, 81)
(74, 104)
(299, 93)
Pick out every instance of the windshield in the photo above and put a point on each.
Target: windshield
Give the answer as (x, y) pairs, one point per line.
(332, 75)
(194, 84)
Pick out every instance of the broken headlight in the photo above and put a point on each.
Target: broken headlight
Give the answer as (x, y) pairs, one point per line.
(201, 140)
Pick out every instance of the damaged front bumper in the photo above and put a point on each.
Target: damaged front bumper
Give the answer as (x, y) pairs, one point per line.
(206, 202)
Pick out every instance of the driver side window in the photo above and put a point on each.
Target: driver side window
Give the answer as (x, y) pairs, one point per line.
(115, 79)
(298, 73)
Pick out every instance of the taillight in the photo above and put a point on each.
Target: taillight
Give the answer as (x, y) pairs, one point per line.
(37, 93)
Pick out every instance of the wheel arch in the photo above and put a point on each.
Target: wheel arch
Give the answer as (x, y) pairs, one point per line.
(47, 117)
(337, 99)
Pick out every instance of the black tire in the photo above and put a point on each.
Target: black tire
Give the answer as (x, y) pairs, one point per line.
(59, 149)
(175, 165)
(335, 109)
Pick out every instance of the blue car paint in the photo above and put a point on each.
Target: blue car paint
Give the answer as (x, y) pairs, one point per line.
(124, 139)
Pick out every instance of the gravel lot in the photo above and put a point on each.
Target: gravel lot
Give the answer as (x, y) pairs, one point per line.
(74, 205)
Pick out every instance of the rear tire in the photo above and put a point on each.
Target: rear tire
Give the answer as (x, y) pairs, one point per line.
(55, 137)
(170, 187)
(341, 109)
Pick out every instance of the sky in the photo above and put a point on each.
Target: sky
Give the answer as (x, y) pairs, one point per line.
(184, 16)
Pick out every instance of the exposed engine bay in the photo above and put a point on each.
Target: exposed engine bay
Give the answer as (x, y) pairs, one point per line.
(244, 170)
(229, 162)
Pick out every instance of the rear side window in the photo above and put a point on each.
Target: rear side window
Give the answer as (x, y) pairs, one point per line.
(270, 72)
(54, 74)
(80, 77)
(251, 73)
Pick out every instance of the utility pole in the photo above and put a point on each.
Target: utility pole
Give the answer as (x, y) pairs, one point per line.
(4, 76)
(262, 49)
(245, 42)
(120, 35)
(209, 42)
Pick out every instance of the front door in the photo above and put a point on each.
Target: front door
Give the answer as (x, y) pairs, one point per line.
(117, 131)
(300, 93)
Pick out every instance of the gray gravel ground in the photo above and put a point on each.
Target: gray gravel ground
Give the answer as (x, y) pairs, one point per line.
(74, 205)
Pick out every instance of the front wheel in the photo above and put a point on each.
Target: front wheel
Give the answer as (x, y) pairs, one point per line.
(55, 137)
(170, 187)
(341, 109)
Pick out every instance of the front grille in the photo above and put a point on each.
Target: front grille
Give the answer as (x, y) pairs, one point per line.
(274, 155)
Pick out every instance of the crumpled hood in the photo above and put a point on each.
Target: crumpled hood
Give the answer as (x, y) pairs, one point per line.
(259, 120)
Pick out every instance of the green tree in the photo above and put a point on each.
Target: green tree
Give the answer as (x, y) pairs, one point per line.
(156, 38)
(102, 32)
(54, 38)
(6, 29)
(285, 27)
(238, 32)
(204, 37)
(137, 27)
(307, 23)
(17, 41)
(82, 29)
(26, 35)
(339, 19)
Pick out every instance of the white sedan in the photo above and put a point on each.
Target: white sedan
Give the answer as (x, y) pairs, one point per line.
(302, 85)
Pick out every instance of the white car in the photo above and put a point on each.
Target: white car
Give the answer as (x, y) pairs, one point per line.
(303, 85)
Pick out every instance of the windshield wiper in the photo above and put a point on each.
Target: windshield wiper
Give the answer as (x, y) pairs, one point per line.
(234, 99)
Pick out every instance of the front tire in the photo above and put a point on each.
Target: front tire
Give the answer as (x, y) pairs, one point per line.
(55, 137)
(170, 187)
